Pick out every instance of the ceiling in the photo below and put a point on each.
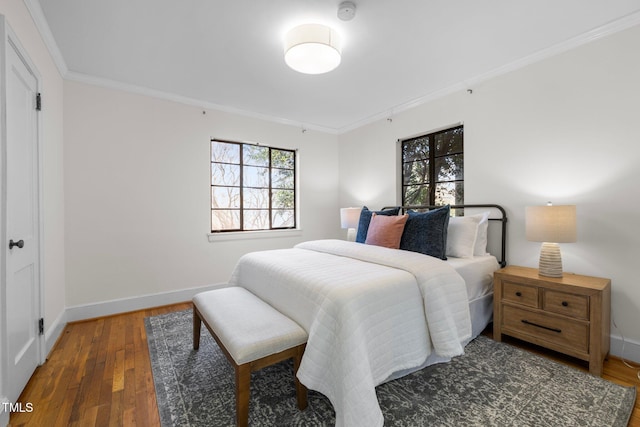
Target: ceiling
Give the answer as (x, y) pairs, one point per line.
(229, 54)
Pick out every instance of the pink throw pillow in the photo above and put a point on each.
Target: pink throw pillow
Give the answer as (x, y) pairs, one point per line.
(386, 230)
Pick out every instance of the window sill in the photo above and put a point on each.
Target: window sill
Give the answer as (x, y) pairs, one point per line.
(250, 235)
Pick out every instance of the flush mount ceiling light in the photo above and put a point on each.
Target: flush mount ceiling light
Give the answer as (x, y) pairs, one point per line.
(312, 49)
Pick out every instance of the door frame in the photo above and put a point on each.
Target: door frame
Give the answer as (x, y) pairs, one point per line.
(11, 41)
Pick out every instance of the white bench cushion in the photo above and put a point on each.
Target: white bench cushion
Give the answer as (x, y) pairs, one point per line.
(248, 327)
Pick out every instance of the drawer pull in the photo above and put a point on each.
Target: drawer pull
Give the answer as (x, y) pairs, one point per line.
(565, 304)
(518, 294)
(526, 322)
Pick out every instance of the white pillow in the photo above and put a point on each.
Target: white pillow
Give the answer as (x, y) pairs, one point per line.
(461, 235)
(480, 247)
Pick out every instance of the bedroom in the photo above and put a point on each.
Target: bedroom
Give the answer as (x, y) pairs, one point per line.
(126, 215)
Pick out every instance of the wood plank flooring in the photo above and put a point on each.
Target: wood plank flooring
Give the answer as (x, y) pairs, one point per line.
(99, 374)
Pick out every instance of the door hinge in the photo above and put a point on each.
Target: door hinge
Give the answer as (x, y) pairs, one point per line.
(38, 102)
(41, 326)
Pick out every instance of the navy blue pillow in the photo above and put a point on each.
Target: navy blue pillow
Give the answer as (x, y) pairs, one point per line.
(427, 232)
(365, 220)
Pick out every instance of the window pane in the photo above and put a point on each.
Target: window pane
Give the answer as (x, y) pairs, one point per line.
(282, 159)
(449, 142)
(256, 198)
(252, 187)
(282, 178)
(223, 174)
(416, 195)
(416, 172)
(256, 219)
(284, 218)
(283, 199)
(255, 155)
(415, 149)
(256, 177)
(225, 197)
(225, 152)
(451, 193)
(225, 220)
(419, 174)
(449, 168)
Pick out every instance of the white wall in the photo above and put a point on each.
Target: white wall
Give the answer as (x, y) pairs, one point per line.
(564, 129)
(137, 183)
(17, 16)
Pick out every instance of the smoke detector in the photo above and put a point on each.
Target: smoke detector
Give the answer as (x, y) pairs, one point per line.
(347, 10)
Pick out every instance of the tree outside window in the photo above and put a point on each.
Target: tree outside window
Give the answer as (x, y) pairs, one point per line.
(433, 168)
(252, 187)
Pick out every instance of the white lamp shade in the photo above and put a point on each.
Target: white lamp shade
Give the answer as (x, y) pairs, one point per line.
(350, 217)
(554, 224)
(312, 49)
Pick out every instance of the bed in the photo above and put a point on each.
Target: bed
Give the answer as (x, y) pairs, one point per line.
(373, 313)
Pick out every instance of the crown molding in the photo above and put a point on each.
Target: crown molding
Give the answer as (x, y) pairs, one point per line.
(572, 43)
(35, 10)
(387, 114)
(194, 102)
(613, 27)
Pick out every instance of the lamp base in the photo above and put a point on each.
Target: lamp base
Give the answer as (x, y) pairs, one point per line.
(550, 260)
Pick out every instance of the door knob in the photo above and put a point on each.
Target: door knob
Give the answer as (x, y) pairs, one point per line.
(19, 244)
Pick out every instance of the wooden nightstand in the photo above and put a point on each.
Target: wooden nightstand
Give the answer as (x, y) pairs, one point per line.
(570, 314)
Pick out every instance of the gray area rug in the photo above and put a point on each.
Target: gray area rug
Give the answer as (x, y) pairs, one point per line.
(493, 384)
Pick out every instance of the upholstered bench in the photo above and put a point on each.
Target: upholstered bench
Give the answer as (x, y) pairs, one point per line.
(252, 335)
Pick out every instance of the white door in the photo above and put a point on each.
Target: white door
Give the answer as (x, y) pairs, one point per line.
(22, 301)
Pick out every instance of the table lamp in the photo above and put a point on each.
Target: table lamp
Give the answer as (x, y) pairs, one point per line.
(551, 225)
(349, 219)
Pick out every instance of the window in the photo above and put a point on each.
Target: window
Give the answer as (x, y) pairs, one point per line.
(253, 187)
(433, 168)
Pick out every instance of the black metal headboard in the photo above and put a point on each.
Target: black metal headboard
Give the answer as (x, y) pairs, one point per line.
(502, 219)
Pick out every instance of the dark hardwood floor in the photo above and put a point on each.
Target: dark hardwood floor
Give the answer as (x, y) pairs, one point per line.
(99, 374)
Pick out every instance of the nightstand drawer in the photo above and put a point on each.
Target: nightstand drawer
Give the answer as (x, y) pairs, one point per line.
(520, 294)
(563, 332)
(568, 304)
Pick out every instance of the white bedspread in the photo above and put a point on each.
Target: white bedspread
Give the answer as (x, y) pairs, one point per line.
(364, 309)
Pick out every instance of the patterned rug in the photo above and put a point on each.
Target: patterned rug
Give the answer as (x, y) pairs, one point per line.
(493, 384)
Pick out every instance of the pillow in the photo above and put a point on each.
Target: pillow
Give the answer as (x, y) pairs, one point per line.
(426, 232)
(461, 235)
(480, 248)
(365, 219)
(386, 230)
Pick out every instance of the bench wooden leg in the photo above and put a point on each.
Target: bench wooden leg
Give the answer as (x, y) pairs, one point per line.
(301, 390)
(243, 380)
(197, 323)
(243, 372)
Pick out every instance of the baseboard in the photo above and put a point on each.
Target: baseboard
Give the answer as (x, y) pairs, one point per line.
(107, 308)
(53, 333)
(625, 349)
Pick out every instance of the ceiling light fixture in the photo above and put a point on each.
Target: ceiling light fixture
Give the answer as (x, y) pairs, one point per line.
(312, 49)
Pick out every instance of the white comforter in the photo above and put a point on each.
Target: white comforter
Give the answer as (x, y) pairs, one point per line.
(369, 312)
